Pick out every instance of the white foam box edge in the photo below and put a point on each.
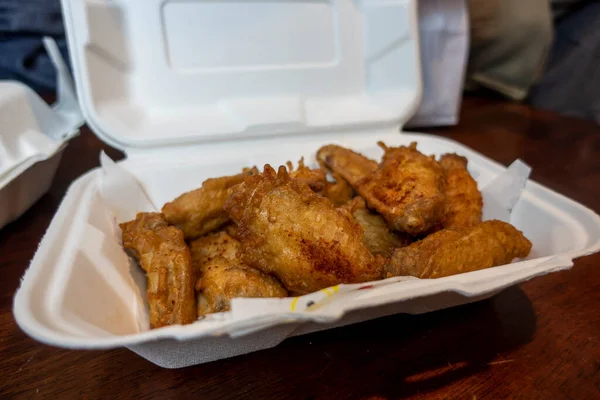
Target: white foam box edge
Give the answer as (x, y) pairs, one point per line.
(26, 189)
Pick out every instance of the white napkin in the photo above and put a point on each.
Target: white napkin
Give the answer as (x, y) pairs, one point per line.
(444, 46)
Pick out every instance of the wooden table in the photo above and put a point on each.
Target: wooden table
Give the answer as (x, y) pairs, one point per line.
(537, 341)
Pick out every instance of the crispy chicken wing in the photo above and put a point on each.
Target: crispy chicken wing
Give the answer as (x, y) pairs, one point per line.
(223, 276)
(450, 252)
(289, 231)
(348, 164)
(463, 200)
(378, 238)
(339, 192)
(314, 178)
(223, 280)
(232, 230)
(200, 211)
(164, 256)
(219, 244)
(407, 188)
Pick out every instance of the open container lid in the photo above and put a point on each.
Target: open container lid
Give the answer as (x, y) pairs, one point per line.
(32, 130)
(162, 73)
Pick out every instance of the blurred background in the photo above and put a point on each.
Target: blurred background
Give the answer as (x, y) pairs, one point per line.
(542, 52)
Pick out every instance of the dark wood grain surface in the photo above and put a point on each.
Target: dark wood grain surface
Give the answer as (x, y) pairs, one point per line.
(537, 341)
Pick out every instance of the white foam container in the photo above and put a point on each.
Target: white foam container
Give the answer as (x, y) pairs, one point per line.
(196, 89)
(28, 158)
(33, 136)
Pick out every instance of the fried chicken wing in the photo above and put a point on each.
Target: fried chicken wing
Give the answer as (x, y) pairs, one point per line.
(219, 244)
(200, 211)
(339, 192)
(223, 280)
(164, 256)
(348, 164)
(292, 233)
(464, 203)
(233, 230)
(316, 179)
(449, 251)
(407, 189)
(378, 238)
(223, 276)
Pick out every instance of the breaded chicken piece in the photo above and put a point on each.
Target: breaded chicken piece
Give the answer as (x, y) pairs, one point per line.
(464, 203)
(200, 211)
(223, 280)
(348, 164)
(378, 238)
(338, 192)
(219, 244)
(223, 276)
(232, 230)
(450, 252)
(315, 178)
(164, 256)
(299, 237)
(407, 189)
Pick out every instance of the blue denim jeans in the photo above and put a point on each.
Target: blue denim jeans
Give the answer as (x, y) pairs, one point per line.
(23, 23)
(571, 82)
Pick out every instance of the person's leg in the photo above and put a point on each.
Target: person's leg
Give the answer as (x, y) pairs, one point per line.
(22, 54)
(509, 43)
(571, 83)
(562, 8)
(24, 58)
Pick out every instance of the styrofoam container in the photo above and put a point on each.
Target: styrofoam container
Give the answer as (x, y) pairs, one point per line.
(18, 194)
(32, 138)
(196, 89)
(33, 135)
(28, 157)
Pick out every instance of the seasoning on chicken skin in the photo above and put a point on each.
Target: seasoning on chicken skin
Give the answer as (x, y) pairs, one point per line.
(292, 233)
(407, 189)
(350, 165)
(222, 276)
(339, 192)
(314, 178)
(450, 252)
(218, 244)
(223, 280)
(200, 211)
(164, 256)
(378, 238)
(464, 203)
